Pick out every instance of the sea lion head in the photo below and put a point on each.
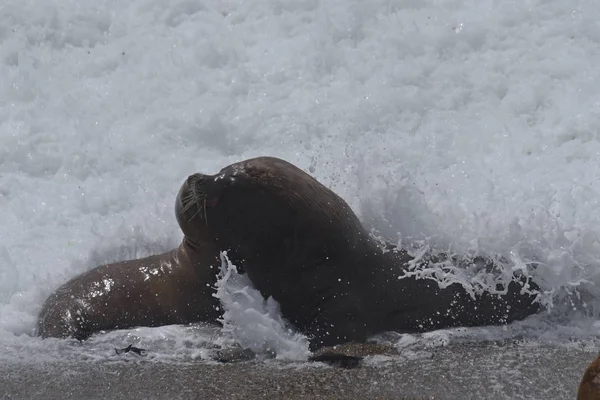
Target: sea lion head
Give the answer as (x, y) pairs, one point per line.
(266, 206)
(190, 211)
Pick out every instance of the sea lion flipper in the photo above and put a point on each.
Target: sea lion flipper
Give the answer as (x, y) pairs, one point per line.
(62, 317)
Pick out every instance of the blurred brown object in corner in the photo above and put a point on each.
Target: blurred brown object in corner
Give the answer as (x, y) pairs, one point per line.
(589, 388)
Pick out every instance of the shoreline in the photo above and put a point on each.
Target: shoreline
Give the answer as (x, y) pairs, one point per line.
(458, 371)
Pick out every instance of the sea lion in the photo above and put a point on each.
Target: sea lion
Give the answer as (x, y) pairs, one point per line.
(589, 388)
(303, 245)
(175, 287)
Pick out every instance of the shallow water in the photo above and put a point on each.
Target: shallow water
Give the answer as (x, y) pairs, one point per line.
(468, 126)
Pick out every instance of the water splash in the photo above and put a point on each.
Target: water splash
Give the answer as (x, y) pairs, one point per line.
(252, 321)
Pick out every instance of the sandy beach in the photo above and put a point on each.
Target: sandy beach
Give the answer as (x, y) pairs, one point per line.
(473, 371)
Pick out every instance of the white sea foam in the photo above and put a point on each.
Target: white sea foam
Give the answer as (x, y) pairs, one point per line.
(253, 322)
(470, 125)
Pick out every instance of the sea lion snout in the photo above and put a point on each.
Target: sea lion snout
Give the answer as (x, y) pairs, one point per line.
(196, 184)
(205, 188)
(190, 204)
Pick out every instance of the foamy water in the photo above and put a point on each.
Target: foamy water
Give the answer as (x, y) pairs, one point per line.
(469, 125)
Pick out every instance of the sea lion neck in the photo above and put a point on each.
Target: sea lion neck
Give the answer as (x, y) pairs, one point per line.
(202, 255)
(192, 244)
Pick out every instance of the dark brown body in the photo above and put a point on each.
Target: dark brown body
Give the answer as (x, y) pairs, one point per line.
(176, 287)
(302, 244)
(589, 388)
(298, 241)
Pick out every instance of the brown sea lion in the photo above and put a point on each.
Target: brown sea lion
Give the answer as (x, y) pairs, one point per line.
(589, 388)
(302, 244)
(175, 287)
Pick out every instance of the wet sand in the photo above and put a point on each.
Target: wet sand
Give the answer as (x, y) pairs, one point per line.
(473, 371)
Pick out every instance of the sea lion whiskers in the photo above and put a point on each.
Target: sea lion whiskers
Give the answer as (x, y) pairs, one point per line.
(200, 208)
(195, 197)
(188, 203)
(199, 192)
